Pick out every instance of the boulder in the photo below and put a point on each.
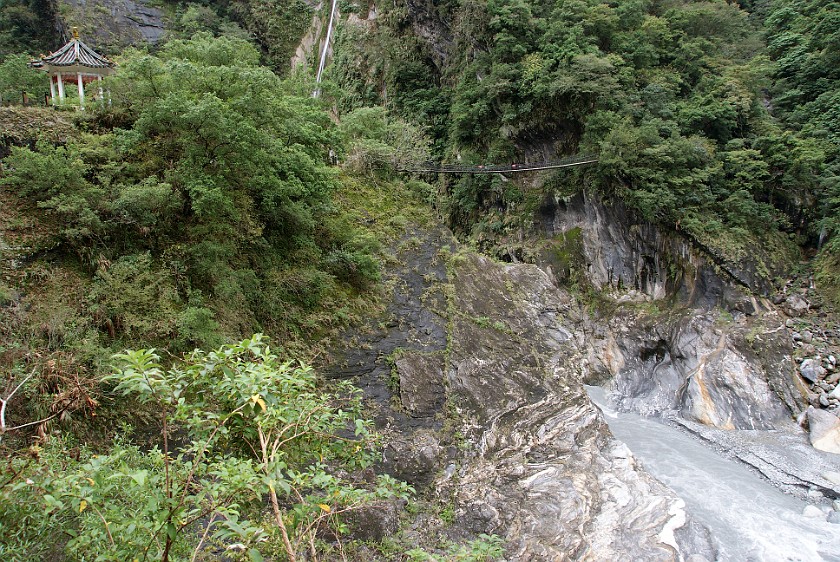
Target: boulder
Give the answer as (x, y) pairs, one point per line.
(811, 370)
(795, 306)
(833, 477)
(414, 458)
(375, 522)
(812, 512)
(824, 430)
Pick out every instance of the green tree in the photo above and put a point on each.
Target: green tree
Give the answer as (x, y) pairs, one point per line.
(17, 78)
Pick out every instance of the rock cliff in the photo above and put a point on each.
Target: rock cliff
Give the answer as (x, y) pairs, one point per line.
(112, 25)
(477, 371)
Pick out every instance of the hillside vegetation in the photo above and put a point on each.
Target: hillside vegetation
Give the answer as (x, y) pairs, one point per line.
(198, 208)
(700, 127)
(174, 259)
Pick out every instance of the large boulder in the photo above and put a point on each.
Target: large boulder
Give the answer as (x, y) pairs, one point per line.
(811, 370)
(824, 428)
(795, 306)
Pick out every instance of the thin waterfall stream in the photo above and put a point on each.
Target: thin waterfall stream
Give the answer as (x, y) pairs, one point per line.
(749, 518)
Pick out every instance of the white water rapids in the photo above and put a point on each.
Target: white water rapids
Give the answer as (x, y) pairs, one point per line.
(749, 518)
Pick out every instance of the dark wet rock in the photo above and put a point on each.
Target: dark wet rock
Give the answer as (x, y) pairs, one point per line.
(114, 24)
(414, 321)
(622, 253)
(824, 428)
(421, 383)
(375, 522)
(811, 370)
(429, 27)
(414, 458)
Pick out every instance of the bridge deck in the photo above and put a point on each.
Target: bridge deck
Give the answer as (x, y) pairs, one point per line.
(581, 160)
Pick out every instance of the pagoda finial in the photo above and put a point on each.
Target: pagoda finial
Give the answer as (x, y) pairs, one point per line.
(75, 32)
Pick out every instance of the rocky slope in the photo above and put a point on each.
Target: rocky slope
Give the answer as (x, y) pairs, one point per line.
(112, 25)
(544, 471)
(478, 376)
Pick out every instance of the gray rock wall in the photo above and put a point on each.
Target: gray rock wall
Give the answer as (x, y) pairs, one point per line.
(622, 253)
(543, 470)
(111, 25)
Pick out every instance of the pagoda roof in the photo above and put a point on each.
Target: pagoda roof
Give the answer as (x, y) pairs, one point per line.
(75, 53)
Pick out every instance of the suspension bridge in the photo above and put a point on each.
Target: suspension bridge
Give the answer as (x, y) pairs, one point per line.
(577, 160)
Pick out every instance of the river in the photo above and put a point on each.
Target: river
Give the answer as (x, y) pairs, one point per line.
(749, 518)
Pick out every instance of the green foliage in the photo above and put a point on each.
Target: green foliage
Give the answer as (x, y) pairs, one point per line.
(17, 77)
(191, 18)
(804, 40)
(220, 178)
(483, 549)
(379, 142)
(278, 25)
(55, 178)
(26, 26)
(253, 426)
(672, 95)
(137, 300)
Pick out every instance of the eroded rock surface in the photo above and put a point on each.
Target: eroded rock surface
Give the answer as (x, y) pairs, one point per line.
(114, 24)
(824, 430)
(722, 372)
(544, 471)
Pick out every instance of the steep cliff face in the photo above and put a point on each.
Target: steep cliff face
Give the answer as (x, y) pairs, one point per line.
(544, 471)
(112, 25)
(676, 329)
(623, 253)
(477, 373)
(730, 373)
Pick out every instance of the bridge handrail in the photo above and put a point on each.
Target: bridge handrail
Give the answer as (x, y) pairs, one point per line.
(577, 160)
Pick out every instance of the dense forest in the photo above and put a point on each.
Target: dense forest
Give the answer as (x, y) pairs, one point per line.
(710, 118)
(202, 207)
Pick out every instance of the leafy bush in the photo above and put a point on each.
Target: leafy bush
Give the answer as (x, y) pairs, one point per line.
(135, 299)
(382, 142)
(249, 426)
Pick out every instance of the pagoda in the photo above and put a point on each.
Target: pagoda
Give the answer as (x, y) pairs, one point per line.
(75, 63)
